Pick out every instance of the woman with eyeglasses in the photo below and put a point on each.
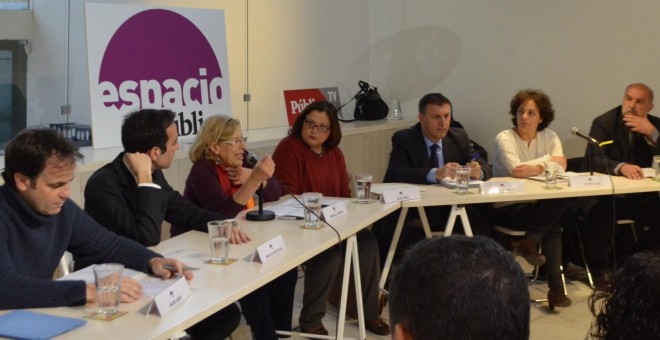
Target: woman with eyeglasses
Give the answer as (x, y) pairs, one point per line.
(222, 180)
(309, 160)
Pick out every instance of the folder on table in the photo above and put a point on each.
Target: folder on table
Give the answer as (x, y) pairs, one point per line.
(23, 324)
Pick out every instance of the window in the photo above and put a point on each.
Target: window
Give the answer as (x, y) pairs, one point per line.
(14, 4)
(13, 74)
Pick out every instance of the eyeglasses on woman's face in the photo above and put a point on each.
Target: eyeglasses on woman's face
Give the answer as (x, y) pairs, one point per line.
(235, 142)
(310, 124)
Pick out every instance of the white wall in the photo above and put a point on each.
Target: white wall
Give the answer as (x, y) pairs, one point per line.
(581, 53)
(477, 52)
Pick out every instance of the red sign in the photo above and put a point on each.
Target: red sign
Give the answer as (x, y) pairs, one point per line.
(297, 100)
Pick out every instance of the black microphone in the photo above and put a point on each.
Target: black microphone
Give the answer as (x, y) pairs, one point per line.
(261, 214)
(576, 132)
(252, 158)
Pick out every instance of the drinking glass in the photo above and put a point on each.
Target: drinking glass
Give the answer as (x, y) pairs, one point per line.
(312, 201)
(551, 169)
(107, 278)
(463, 179)
(363, 187)
(656, 167)
(395, 110)
(219, 235)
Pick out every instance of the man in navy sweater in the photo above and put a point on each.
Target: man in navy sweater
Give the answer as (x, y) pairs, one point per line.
(38, 223)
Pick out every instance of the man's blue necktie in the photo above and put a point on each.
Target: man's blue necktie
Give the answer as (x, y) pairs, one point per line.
(434, 155)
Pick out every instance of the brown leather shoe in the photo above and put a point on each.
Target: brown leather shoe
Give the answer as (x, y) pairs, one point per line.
(526, 247)
(557, 298)
(318, 330)
(602, 282)
(377, 326)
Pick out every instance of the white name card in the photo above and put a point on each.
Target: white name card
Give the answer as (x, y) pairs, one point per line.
(269, 250)
(169, 298)
(500, 187)
(331, 212)
(588, 181)
(398, 195)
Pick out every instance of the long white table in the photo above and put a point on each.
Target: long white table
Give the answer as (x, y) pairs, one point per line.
(215, 287)
(436, 195)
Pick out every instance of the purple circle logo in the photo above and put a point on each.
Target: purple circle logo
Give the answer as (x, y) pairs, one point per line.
(158, 58)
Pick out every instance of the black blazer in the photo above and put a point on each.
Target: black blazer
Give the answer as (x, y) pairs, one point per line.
(409, 159)
(114, 200)
(610, 126)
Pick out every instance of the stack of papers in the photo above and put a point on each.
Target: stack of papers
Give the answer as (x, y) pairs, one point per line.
(293, 208)
(152, 285)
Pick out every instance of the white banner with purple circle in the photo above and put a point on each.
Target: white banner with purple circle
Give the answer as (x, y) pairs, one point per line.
(147, 57)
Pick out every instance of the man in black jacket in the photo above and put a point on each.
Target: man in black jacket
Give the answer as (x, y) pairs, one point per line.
(425, 154)
(634, 135)
(131, 197)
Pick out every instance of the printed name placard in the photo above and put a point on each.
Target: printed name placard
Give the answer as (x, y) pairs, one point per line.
(588, 181)
(398, 195)
(269, 250)
(331, 212)
(166, 300)
(500, 187)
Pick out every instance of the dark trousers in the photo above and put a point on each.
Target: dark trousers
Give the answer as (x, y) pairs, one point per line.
(219, 325)
(541, 221)
(599, 228)
(270, 307)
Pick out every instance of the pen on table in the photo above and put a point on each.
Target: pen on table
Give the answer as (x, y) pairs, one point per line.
(289, 217)
(173, 268)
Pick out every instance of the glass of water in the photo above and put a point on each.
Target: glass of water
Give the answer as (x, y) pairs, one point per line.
(463, 179)
(219, 235)
(363, 187)
(312, 201)
(107, 278)
(656, 167)
(551, 170)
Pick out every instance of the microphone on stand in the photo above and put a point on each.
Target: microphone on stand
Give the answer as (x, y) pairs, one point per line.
(576, 132)
(259, 215)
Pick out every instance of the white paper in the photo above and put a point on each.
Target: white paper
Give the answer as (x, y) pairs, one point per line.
(649, 172)
(152, 285)
(500, 187)
(291, 207)
(378, 188)
(450, 183)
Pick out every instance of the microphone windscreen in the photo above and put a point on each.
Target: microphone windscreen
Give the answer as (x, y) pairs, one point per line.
(252, 158)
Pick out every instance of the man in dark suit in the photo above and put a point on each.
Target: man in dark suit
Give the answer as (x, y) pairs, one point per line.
(131, 197)
(425, 154)
(634, 135)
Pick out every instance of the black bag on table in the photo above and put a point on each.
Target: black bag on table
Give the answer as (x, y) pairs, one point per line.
(368, 104)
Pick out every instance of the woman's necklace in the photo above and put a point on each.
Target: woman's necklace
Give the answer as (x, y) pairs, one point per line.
(319, 153)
